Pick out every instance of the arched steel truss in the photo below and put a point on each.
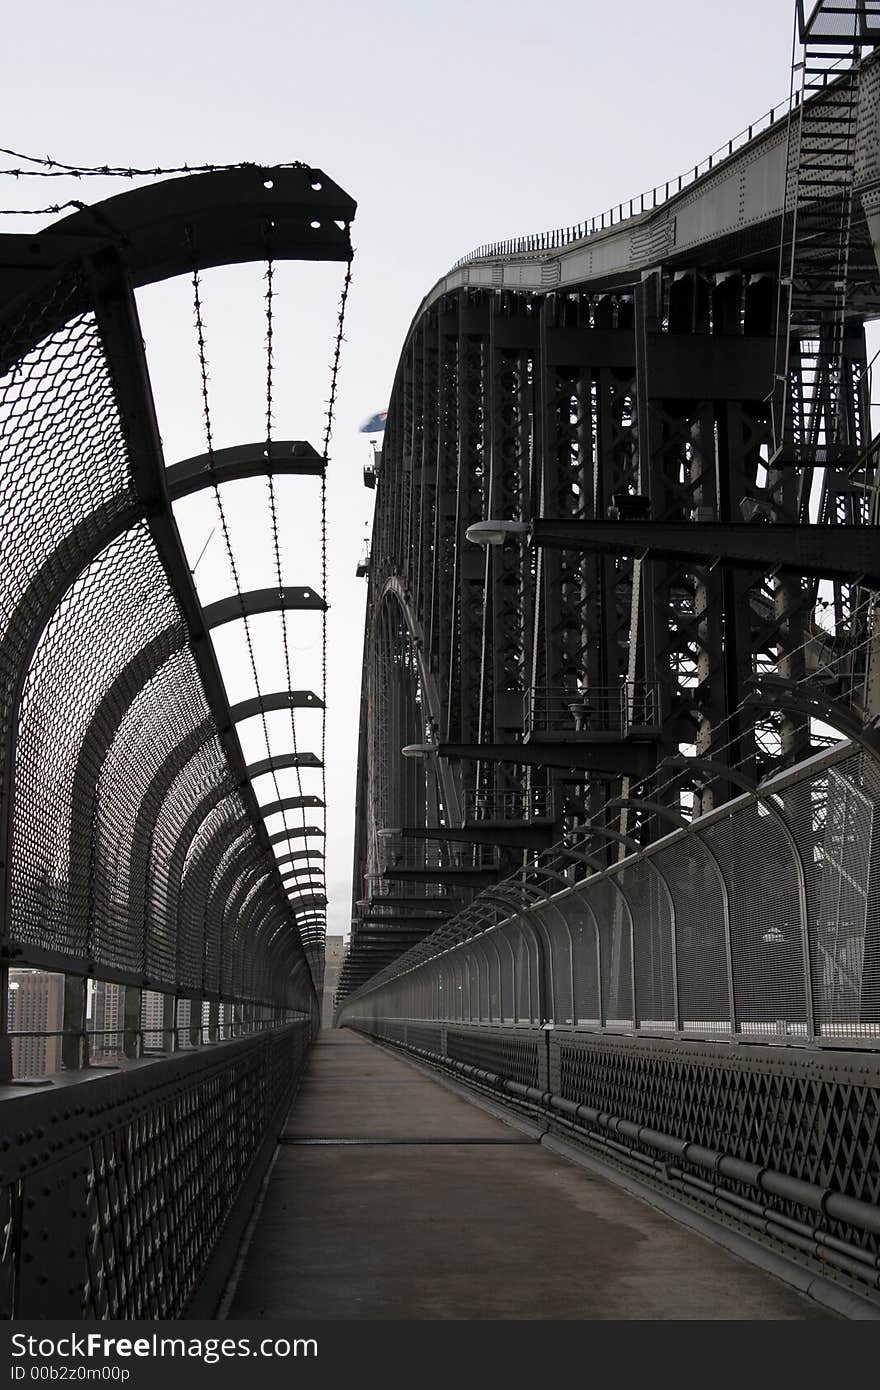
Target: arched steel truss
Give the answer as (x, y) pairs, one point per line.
(665, 586)
(132, 845)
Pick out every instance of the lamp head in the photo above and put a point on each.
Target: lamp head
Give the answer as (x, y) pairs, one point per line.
(496, 532)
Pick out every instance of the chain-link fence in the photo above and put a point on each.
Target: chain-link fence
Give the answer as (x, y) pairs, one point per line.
(130, 855)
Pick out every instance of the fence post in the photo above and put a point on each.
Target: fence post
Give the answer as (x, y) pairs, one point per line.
(195, 1022)
(131, 1021)
(74, 1043)
(728, 940)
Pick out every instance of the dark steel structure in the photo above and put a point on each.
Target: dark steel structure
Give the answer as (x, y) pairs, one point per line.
(659, 430)
(618, 822)
(621, 695)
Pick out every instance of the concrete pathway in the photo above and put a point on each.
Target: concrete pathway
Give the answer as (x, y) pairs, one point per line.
(392, 1197)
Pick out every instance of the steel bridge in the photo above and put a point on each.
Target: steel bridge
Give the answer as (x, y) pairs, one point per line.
(618, 790)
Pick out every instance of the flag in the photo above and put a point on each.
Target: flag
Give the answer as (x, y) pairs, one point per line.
(375, 423)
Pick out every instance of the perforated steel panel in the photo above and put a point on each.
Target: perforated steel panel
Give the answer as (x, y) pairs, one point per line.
(510, 1055)
(798, 1114)
(140, 1175)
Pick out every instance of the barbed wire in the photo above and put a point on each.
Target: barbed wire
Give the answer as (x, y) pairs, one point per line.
(273, 513)
(53, 208)
(49, 168)
(328, 435)
(218, 500)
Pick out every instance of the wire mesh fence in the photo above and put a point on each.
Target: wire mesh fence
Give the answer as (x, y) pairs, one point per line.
(758, 920)
(127, 850)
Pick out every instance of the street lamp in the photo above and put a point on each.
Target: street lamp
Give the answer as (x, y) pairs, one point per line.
(496, 532)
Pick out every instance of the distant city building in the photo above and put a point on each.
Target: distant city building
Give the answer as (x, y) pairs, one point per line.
(153, 1019)
(105, 1021)
(36, 1006)
(335, 947)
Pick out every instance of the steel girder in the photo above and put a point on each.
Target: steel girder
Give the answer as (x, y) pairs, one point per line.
(585, 414)
(158, 231)
(273, 700)
(286, 456)
(246, 605)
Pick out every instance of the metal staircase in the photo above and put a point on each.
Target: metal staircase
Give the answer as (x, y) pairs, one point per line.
(810, 420)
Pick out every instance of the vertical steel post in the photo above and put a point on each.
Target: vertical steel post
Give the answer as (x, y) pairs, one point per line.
(74, 1042)
(132, 1036)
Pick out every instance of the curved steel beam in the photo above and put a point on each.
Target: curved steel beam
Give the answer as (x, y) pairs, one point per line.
(303, 832)
(287, 803)
(626, 840)
(298, 854)
(580, 857)
(656, 808)
(34, 611)
(257, 907)
(160, 230)
(142, 840)
(714, 768)
(148, 234)
(27, 623)
(197, 886)
(244, 877)
(287, 456)
(248, 881)
(394, 587)
(278, 699)
(290, 598)
(97, 742)
(282, 760)
(778, 692)
(189, 831)
(209, 901)
(251, 889)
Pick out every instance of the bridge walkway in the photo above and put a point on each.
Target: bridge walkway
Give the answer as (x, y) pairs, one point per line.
(392, 1197)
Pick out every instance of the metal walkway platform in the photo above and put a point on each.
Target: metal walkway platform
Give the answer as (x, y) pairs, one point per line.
(394, 1198)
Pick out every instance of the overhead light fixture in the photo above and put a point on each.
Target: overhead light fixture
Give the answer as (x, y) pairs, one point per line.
(418, 750)
(496, 532)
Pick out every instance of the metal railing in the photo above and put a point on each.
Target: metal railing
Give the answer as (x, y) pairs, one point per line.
(378, 890)
(759, 920)
(537, 802)
(771, 1142)
(47, 1038)
(136, 1175)
(398, 852)
(623, 711)
(652, 198)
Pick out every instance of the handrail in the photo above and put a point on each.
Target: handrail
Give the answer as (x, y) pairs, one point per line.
(642, 202)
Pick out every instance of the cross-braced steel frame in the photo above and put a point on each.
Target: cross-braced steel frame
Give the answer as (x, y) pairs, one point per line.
(684, 466)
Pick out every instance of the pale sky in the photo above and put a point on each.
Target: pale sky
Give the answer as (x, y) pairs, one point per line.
(451, 125)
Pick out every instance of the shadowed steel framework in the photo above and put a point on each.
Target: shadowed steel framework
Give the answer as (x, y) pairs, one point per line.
(618, 792)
